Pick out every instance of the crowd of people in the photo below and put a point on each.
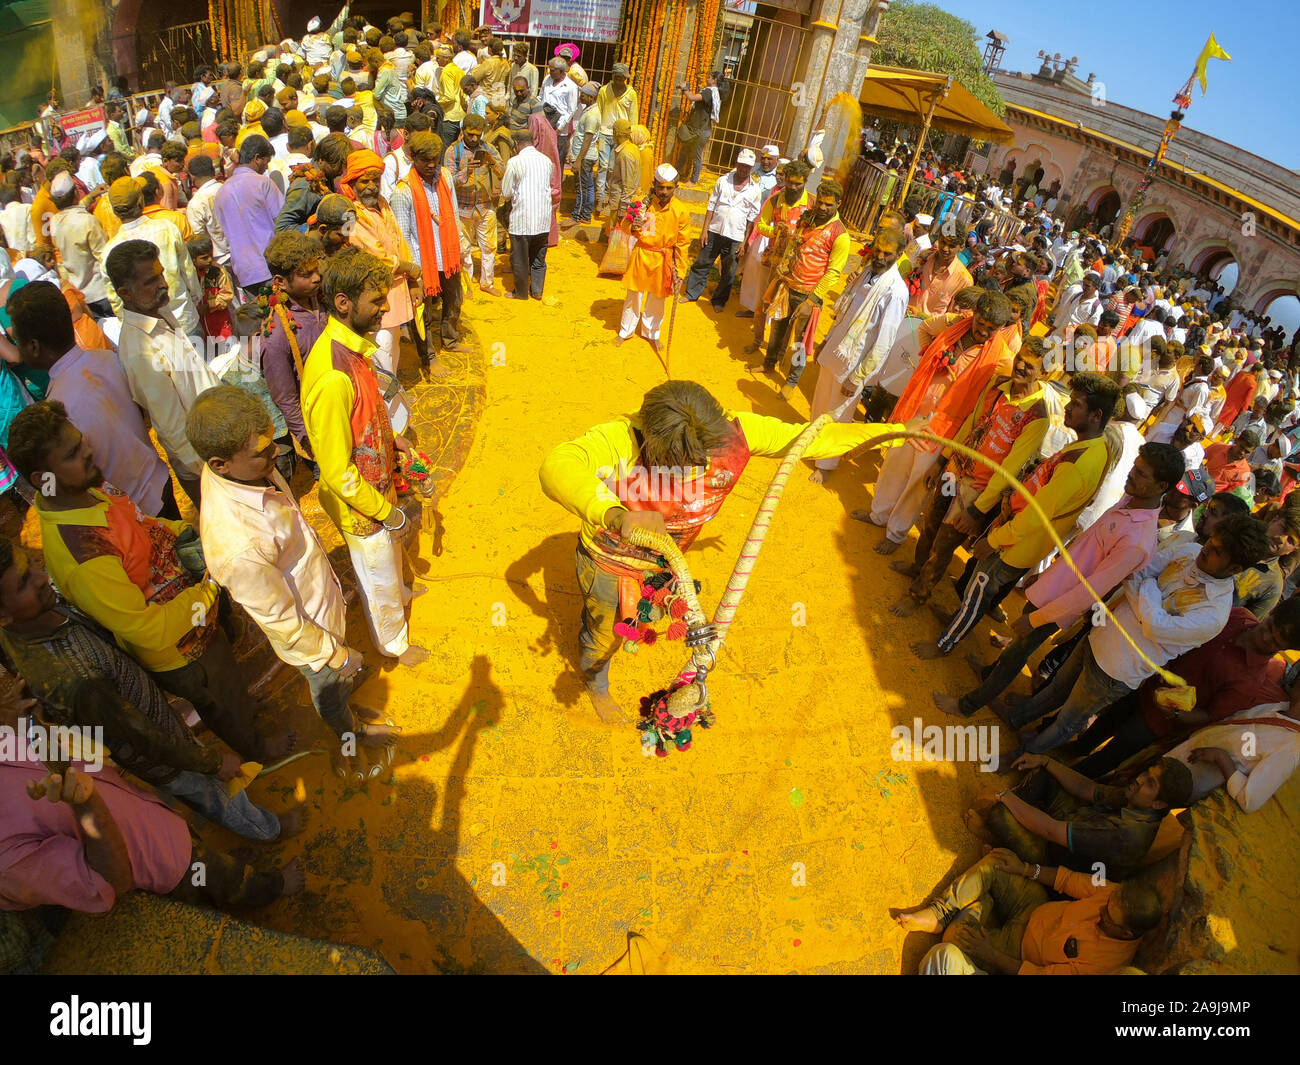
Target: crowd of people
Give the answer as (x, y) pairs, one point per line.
(239, 287)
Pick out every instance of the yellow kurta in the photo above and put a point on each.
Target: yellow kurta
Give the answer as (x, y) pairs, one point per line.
(378, 233)
(666, 233)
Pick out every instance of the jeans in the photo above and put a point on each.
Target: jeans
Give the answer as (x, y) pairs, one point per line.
(585, 201)
(528, 263)
(215, 685)
(992, 580)
(448, 131)
(238, 813)
(330, 691)
(597, 641)
(1080, 688)
(780, 337)
(998, 677)
(1127, 728)
(723, 250)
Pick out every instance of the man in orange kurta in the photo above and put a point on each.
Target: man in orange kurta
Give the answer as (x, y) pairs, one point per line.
(658, 261)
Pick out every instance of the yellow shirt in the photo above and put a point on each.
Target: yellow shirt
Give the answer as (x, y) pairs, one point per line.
(447, 91)
(1024, 541)
(573, 474)
(82, 564)
(328, 397)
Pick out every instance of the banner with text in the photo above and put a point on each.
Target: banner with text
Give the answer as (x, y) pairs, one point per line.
(581, 20)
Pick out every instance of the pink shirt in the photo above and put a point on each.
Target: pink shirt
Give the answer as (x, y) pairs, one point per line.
(43, 860)
(1120, 542)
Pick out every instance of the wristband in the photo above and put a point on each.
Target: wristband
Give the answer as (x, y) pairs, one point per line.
(1037, 871)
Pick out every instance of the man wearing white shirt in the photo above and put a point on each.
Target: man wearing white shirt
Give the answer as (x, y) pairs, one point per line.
(200, 210)
(527, 184)
(316, 45)
(734, 203)
(163, 370)
(165, 107)
(1079, 304)
(1216, 754)
(127, 201)
(1194, 397)
(93, 387)
(80, 240)
(16, 220)
(1177, 602)
(203, 89)
(856, 347)
(560, 93)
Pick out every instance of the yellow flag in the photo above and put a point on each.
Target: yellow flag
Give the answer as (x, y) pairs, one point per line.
(1210, 51)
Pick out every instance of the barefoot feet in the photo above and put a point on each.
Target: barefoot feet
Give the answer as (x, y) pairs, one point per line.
(948, 704)
(887, 546)
(905, 607)
(412, 656)
(927, 649)
(918, 919)
(606, 708)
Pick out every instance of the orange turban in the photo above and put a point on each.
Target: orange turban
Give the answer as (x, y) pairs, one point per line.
(360, 161)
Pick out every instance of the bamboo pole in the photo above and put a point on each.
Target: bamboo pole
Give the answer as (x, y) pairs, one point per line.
(920, 142)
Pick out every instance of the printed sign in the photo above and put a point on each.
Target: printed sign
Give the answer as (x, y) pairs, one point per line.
(580, 20)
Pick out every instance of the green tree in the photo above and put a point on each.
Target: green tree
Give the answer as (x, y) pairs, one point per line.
(925, 37)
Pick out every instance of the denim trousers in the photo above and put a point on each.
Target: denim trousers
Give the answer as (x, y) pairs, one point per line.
(1080, 688)
(208, 795)
(716, 248)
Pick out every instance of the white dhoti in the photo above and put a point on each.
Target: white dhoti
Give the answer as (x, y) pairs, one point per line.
(900, 489)
(377, 562)
(644, 308)
(385, 359)
(826, 398)
(753, 280)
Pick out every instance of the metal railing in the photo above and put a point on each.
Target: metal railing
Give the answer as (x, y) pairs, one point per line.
(757, 55)
(870, 188)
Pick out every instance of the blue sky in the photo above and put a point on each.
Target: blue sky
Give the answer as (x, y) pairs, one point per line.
(1145, 51)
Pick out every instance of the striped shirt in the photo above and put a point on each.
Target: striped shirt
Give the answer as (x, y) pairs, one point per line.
(527, 183)
(403, 206)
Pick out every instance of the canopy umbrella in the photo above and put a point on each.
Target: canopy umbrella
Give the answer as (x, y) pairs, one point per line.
(919, 97)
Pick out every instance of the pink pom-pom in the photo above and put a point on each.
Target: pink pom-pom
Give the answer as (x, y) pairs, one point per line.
(628, 632)
(647, 591)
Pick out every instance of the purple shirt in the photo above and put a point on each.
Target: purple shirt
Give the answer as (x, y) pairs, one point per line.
(1117, 544)
(94, 388)
(280, 370)
(247, 207)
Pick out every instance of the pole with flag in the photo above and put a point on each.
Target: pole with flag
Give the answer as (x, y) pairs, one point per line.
(1182, 101)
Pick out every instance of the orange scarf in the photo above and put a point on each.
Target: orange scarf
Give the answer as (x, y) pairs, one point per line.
(448, 230)
(964, 392)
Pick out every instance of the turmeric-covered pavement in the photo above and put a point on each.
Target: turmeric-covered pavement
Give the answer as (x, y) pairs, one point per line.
(514, 831)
